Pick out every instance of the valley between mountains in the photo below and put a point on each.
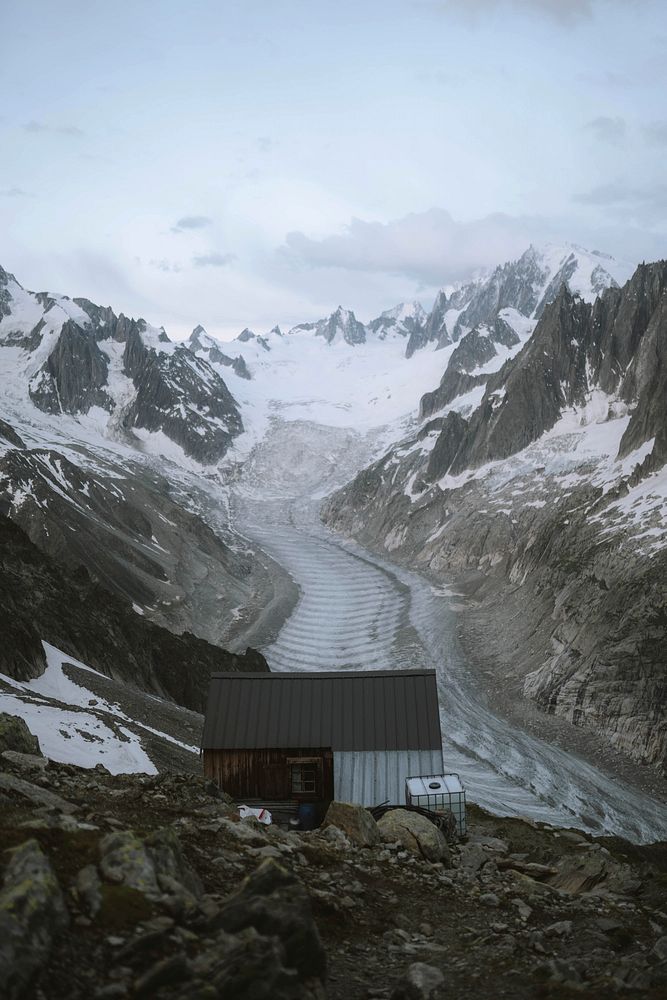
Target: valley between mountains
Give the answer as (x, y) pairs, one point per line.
(480, 488)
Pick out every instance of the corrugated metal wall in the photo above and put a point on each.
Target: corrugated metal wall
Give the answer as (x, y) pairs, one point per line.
(370, 777)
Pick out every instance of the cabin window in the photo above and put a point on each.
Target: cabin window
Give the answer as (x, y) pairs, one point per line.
(303, 777)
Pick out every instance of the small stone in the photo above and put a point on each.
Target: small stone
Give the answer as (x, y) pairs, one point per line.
(418, 983)
(165, 972)
(523, 908)
(473, 857)
(660, 949)
(562, 928)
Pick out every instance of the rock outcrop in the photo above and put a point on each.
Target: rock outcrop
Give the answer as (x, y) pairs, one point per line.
(15, 736)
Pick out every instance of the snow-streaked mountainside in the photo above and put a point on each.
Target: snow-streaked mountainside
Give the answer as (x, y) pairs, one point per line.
(551, 491)
(512, 438)
(69, 356)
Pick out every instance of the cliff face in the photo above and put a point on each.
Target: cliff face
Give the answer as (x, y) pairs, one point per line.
(549, 503)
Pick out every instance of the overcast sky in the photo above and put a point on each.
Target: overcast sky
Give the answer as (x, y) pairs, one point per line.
(246, 163)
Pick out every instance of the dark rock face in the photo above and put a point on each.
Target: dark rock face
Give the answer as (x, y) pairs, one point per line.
(434, 327)
(617, 344)
(73, 376)
(10, 436)
(342, 322)
(514, 284)
(472, 352)
(182, 396)
(89, 623)
(200, 341)
(447, 445)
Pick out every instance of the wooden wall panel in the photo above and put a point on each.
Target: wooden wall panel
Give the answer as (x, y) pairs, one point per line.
(265, 774)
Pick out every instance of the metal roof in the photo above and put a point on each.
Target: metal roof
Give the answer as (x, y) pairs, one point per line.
(350, 710)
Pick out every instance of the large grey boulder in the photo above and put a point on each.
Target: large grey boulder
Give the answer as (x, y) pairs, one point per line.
(415, 832)
(355, 821)
(32, 914)
(15, 735)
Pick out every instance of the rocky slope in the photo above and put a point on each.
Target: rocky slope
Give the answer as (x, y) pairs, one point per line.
(548, 502)
(133, 886)
(70, 611)
(133, 532)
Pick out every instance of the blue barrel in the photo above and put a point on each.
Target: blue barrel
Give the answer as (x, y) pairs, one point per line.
(307, 815)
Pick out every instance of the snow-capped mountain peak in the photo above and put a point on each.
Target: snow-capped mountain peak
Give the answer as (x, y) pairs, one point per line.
(403, 320)
(341, 326)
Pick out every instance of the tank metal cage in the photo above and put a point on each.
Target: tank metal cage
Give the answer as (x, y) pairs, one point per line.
(438, 793)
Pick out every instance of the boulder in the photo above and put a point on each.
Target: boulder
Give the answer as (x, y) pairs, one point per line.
(276, 904)
(153, 866)
(35, 794)
(248, 966)
(415, 832)
(32, 914)
(355, 821)
(15, 735)
(125, 861)
(28, 762)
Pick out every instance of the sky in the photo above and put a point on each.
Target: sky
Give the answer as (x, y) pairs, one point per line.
(257, 162)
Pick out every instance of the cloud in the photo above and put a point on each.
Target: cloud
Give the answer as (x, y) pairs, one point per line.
(566, 12)
(647, 202)
(168, 266)
(656, 133)
(213, 259)
(14, 192)
(425, 247)
(605, 129)
(191, 222)
(71, 130)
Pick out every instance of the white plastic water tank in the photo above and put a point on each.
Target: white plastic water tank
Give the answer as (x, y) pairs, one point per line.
(438, 792)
